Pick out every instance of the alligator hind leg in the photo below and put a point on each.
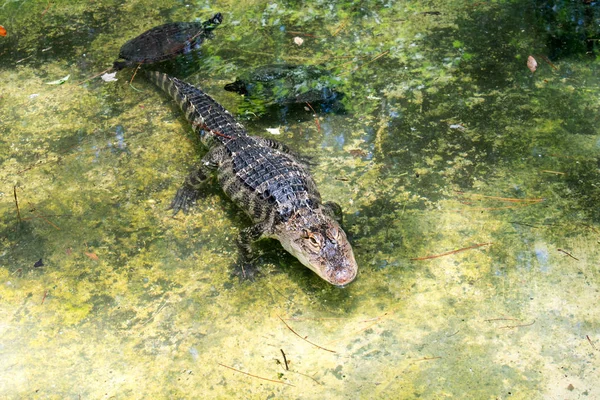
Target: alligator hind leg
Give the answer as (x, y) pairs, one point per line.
(190, 191)
(245, 269)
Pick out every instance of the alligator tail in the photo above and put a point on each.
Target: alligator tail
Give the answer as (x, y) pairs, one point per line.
(201, 110)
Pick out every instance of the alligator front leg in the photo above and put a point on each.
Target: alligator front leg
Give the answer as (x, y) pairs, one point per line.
(190, 191)
(245, 269)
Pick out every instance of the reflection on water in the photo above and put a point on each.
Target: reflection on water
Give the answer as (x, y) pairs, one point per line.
(470, 190)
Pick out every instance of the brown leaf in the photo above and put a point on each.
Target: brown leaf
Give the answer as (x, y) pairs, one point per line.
(92, 256)
(531, 63)
(357, 152)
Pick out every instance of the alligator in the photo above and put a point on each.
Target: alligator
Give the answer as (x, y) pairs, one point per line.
(268, 181)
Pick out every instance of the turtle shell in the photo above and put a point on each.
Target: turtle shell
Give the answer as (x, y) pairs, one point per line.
(165, 42)
(286, 84)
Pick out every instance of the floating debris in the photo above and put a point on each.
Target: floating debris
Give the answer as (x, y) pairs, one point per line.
(59, 81)
(274, 131)
(298, 40)
(460, 127)
(2, 31)
(109, 77)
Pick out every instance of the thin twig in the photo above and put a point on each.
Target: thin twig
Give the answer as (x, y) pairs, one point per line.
(48, 221)
(368, 62)
(316, 117)
(134, 73)
(543, 57)
(590, 340)
(317, 319)
(516, 326)
(569, 254)
(342, 25)
(17, 204)
(308, 376)
(304, 338)
(428, 359)
(254, 376)
(287, 368)
(508, 199)
(451, 252)
(501, 319)
(46, 10)
(95, 76)
(154, 314)
(301, 33)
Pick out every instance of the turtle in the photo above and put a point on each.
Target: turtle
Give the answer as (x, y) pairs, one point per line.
(166, 42)
(286, 84)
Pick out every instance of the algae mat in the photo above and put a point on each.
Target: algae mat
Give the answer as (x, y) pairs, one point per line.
(470, 187)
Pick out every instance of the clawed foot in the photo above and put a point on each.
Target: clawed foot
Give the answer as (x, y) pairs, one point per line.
(246, 271)
(184, 199)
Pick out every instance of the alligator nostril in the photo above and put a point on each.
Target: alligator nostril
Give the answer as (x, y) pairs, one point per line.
(344, 275)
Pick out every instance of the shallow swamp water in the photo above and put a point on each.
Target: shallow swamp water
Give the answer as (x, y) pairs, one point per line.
(470, 187)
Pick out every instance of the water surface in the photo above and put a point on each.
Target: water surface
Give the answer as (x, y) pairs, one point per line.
(470, 188)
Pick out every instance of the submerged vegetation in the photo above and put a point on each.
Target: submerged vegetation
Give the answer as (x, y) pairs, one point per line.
(470, 187)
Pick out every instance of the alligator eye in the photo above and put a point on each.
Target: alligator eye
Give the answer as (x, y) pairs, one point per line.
(314, 239)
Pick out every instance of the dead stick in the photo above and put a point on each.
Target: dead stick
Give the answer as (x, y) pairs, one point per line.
(368, 62)
(342, 25)
(569, 254)
(255, 376)
(46, 10)
(509, 199)
(95, 76)
(428, 359)
(17, 203)
(308, 376)
(49, 222)
(451, 252)
(303, 338)
(590, 340)
(134, 73)
(284, 360)
(516, 326)
(547, 60)
(501, 319)
(44, 298)
(301, 33)
(316, 118)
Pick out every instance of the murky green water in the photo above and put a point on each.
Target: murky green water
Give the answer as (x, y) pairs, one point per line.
(470, 189)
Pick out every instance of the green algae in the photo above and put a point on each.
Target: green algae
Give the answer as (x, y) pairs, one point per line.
(448, 142)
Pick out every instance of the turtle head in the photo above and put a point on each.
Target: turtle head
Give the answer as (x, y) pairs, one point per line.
(238, 87)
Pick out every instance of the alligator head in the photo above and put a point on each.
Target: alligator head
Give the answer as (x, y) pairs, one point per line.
(318, 241)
